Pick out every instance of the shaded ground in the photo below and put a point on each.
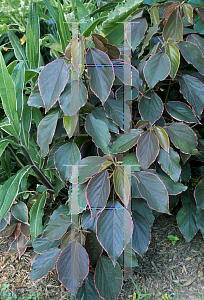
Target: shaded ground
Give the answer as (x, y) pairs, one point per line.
(162, 268)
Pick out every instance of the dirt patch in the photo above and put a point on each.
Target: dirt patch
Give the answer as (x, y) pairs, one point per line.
(162, 268)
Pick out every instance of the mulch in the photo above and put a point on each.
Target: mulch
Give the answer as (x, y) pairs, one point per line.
(163, 269)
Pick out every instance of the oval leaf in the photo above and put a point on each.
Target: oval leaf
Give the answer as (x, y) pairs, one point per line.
(162, 137)
(126, 141)
(151, 107)
(121, 184)
(170, 163)
(174, 56)
(181, 112)
(20, 211)
(141, 233)
(135, 31)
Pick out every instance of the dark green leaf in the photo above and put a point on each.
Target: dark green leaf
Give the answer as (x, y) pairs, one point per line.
(200, 220)
(141, 206)
(151, 107)
(93, 248)
(20, 211)
(18, 79)
(88, 290)
(170, 163)
(199, 193)
(197, 40)
(141, 233)
(186, 219)
(174, 27)
(57, 227)
(181, 112)
(135, 31)
(35, 98)
(79, 193)
(129, 257)
(131, 160)
(121, 184)
(126, 141)
(99, 113)
(42, 244)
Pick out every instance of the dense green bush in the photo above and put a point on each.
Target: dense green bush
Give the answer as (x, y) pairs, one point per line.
(103, 138)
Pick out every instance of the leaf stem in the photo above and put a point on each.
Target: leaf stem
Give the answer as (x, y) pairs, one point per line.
(167, 94)
(15, 156)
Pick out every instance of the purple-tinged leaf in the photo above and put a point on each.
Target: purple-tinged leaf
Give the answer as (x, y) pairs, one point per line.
(97, 192)
(52, 81)
(99, 113)
(121, 184)
(20, 212)
(99, 132)
(141, 233)
(126, 141)
(140, 205)
(199, 194)
(108, 278)
(181, 112)
(73, 97)
(174, 27)
(57, 228)
(162, 137)
(93, 248)
(147, 149)
(88, 290)
(46, 130)
(44, 263)
(186, 219)
(42, 244)
(135, 31)
(183, 137)
(114, 229)
(193, 91)
(87, 222)
(153, 190)
(6, 232)
(151, 107)
(156, 68)
(192, 55)
(65, 158)
(3, 225)
(73, 266)
(170, 163)
(100, 72)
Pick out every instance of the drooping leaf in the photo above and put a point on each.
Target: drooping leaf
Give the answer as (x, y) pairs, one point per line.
(97, 192)
(114, 219)
(181, 112)
(140, 205)
(151, 107)
(9, 191)
(8, 96)
(44, 263)
(57, 227)
(174, 27)
(46, 130)
(193, 91)
(20, 211)
(52, 81)
(93, 248)
(126, 141)
(147, 149)
(121, 184)
(186, 219)
(119, 112)
(99, 132)
(74, 262)
(36, 215)
(141, 233)
(100, 72)
(73, 97)
(170, 163)
(173, 188)
(65, 158)
(70, 123)
(105, 282)
(88, 290)
(135, 31)
(162, 137)
(198, 194)
(174, 56)
(153, 190)
(192, 55)
(157, 68)
(99, 113)
(183, 137)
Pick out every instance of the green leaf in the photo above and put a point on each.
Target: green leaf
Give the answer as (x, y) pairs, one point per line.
(99, 113)
(91, 28)
(147, 149)
(50, 161)
(44, 263)
(35, 98)
(183, 137)
(73, 97)
(33, 36)
(70, 123)
(192, 55)
(79, 192)
(135, 31)
(99, 132)
(170, 163)
(46, 130)
(57, 227)
(18, 77)
(8, 96)
(42, 244)
(188, 12)
(119, 112)
(151, 107)
(97, 192)
(52, 81)
(162, 137)
(126, 141)
(198, 194)
(25, 123)
(129, 258)
(100, 72)
(141, 233)
(193, 91)
(20, 212)
(174, 56)
(88, 290)
(174, 27)
(62, 27)
(151, 31)
(65, 158)
(121, 184)
(140, 205)
(156, 68)
(105, 275)
(197, 40)
(181, 112)
(36, 215)
(200, 220)
(173, 188)
(186, 219)
(114, 219)
(9, 191)
(153, 190)
(18, 49)
(131, 160)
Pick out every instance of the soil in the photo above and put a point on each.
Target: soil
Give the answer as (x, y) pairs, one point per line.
(165, 268)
